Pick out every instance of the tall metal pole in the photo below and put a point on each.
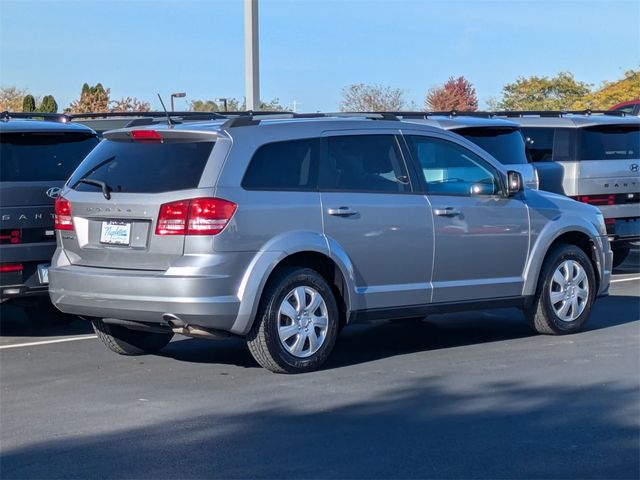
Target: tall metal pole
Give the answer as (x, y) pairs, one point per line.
(251, 55)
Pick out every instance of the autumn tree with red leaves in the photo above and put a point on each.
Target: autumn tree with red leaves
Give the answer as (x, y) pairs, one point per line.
(456, 94)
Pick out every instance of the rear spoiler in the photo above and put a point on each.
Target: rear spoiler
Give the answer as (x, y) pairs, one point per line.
(161, 135)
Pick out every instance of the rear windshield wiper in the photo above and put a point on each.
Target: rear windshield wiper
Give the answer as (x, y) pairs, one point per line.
(106, 189)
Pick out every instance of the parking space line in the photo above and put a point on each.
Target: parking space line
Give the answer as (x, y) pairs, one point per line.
(630, 279)
(48, 342)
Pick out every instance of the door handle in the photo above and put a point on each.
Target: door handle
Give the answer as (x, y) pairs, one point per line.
(341, 212)
(447, 212)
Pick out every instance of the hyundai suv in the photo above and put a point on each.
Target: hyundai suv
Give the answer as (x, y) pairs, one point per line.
(282, 231)
(599, 156)
(36, 158)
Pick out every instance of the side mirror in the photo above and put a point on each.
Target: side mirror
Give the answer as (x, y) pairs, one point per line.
(514, 183)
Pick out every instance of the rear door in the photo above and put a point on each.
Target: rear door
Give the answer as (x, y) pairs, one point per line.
(119, 231)
(481, 236)
(370, 213)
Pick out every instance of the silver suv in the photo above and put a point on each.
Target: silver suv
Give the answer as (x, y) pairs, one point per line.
(595, 159)
(284, 230)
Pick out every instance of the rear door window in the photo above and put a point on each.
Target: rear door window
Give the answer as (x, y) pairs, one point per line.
(364, 163)
(144, 167)
(505, 144)
(610, 142)
(42, 156)
(290, 165)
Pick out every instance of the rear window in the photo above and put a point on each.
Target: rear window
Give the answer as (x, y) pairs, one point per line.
(505, 144)
(42, 156)
(143, 167)
(610, 142)
(290, 165)
(539, 143)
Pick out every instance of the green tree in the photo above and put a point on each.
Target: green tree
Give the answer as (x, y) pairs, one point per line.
(233, 105)
(92, 99)
(48, 105)
(360, 97)
(612, 93)
(456, 94)
(28, 103)
(543, 93)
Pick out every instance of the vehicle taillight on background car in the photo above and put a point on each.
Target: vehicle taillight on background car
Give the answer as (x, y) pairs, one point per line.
(10, 236)
(597, 200)
(198, 216)
(63, 220)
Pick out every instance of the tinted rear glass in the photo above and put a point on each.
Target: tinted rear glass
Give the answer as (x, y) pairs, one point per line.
(144, 167)
(610, 142)
(42, 156)
(291, 165)
(539, 143)
(505, 144)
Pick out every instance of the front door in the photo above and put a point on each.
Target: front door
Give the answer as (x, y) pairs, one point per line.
(481, 235)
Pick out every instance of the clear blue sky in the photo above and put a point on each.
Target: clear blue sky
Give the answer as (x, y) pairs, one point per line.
(310, 49)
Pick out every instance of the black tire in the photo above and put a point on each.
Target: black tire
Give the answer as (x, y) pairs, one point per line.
(620, 254)
(541, 315)
(263, 339)
(125, 341)
(43, 313)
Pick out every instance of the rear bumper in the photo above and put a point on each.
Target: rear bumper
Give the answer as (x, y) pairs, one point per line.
(196, 296)
(23, 283)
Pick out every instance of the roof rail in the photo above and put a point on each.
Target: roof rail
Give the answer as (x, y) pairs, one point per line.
(556, 113)
(50, 117)
(106, 115)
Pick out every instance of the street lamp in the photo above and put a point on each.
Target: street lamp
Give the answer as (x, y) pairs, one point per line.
(224, 101)
(176, 95)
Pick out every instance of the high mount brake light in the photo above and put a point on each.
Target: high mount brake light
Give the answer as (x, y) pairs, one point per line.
(63, 219)
(197, 216)
(146, 136)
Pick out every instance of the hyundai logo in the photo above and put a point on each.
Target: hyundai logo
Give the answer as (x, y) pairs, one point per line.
(53, 192)
(633, 167)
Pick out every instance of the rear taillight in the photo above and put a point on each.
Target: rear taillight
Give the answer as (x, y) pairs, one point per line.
(10, 267)
(597, 200)
(10, 236)
(198, 216)
(63, 220)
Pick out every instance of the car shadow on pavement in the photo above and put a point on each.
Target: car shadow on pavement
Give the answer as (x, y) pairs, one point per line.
(14, 323)
(367, 342)
(416, 428)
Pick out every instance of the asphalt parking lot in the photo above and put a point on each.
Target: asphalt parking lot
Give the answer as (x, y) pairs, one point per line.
(473, 395)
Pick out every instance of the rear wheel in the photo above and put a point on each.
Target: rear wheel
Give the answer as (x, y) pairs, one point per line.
(565, 294)
(125, 341)
(297, 322)
(620, 254)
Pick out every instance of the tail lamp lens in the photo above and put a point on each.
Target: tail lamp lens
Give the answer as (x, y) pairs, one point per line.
(597, 200)
(63, 220)
(199, 216)
(10, 236)
(10, 267)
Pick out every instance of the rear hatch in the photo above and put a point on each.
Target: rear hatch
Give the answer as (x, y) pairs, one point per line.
(33, 168)
(609, 162)
(138, 177)
(505, 144)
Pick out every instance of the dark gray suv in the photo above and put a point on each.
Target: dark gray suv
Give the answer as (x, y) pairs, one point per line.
(284, 230)
(36, 158)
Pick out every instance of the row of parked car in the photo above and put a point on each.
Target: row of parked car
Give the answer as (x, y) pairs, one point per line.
(283, 228)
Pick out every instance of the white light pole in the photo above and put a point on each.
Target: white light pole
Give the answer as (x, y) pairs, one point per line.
(251, 55)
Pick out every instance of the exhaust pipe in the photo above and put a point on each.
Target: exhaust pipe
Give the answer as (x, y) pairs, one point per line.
(178, 325)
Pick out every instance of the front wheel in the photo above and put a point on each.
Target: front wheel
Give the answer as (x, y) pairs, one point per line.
(565, 293)
(125, 341)
(297, 322)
